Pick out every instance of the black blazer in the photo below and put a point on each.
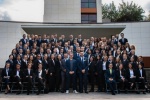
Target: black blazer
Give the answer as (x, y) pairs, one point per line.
(128, 73)
(139, 74)
(5, 74)
(123, 43)
(51, 66)
(21, 74)
(92, 67)
(58, 66)
(113, 63)
(99, 67)
(27, 74)
(11, 64)
(123, 73)
(43, 74)
(45, 64)
(23, 65)
(108, 75)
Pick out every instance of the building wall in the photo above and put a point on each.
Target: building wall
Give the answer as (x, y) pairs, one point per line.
(99, 11)
(62, 11)
(138, 34)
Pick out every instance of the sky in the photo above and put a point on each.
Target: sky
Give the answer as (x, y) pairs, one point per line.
(33, 10)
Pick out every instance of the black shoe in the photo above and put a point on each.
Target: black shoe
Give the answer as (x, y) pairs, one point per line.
(126, 91)
(18, 93)
(98, 91)
(91, 91)
(62, 91)
(137, 92)
(28, 94)
(113, 93)
(86, 92)
(81, 91)
(144, 92)
(37, 93)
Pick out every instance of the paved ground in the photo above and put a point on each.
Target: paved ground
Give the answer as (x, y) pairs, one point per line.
(72, 96)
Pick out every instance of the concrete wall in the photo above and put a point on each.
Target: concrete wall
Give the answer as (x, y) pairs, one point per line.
(62, 11)
(99, 11)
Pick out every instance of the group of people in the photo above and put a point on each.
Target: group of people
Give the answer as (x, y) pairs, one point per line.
(59, 64)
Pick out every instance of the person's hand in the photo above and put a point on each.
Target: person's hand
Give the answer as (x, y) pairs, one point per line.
(70, 72)
(26, 76)
(30, 76)
(51, 74)
(83, 71)
(46, 71)
(64, 70)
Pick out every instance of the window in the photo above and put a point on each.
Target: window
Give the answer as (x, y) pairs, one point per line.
(88, 3)
(88, 18)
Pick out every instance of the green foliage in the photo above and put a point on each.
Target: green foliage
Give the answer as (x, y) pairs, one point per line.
(125, 12)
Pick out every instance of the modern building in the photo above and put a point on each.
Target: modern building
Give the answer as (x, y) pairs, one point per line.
(74, 17)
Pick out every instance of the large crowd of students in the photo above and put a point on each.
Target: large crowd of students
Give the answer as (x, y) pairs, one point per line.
(58, 64)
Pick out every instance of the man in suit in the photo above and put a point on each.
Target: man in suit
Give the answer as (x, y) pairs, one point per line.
(71, 39)
(24, 63)
(122, 78)
(125, 61)
(110, 78)
(18, 61)
(39, 41)
(24, 40)
(77, 53)
(83, 72)
(66, 47)
(18, 76)
(63, 72)
(51, 72)
(28, 73)
(40, 77)
(71, 67)
(36, 62)
(63, 40)
(123, 40)
(57, 72)
(110, 61)
(141, 77)
(6, 76)
(10, 61)
(79, 40)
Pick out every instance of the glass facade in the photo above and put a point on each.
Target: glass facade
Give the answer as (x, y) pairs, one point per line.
(88, 18)
(88, 3)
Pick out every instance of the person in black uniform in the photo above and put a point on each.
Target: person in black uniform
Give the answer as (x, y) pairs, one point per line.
(51, 73)
(121, 78)
(40, 78)
(28, 73)
(110, 78)
(6, 76)
(141, 77)
(92, 70)
(131, 75)
(18, 76)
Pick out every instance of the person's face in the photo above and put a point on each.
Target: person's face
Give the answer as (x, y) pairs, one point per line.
(38, 57)
(18, 57)
(11, 57)
(110, 66)
(52, 57)
(120, 67)
(130, 66)
(89, 51)
(24, 36)
(25, 57)
(7, 65)
(71, 56)
(40, 66)
(18, 67)
(45, 57)
(140, 66)
(81, 54)
(91, 59)
(122, 35)
(65, 55)
(31, 57)
(59, 57)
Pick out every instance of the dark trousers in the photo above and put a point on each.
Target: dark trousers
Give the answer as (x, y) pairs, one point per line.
(51, 83)
(70, 79)
(92, 80)
(112, 84)
(99, 82)
(142, 84)
(83, 82)
(132, 80)
(40, 84)
(29, 83)
(63, 78)
(57, 78)
(18, 80)
(103, 84)
(6, 81)
(123, 84)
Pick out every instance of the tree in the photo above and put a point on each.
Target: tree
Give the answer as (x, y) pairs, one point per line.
(124, 12)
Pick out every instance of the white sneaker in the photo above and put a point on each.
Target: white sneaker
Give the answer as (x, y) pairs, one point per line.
(67, 91)
(75, 91)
